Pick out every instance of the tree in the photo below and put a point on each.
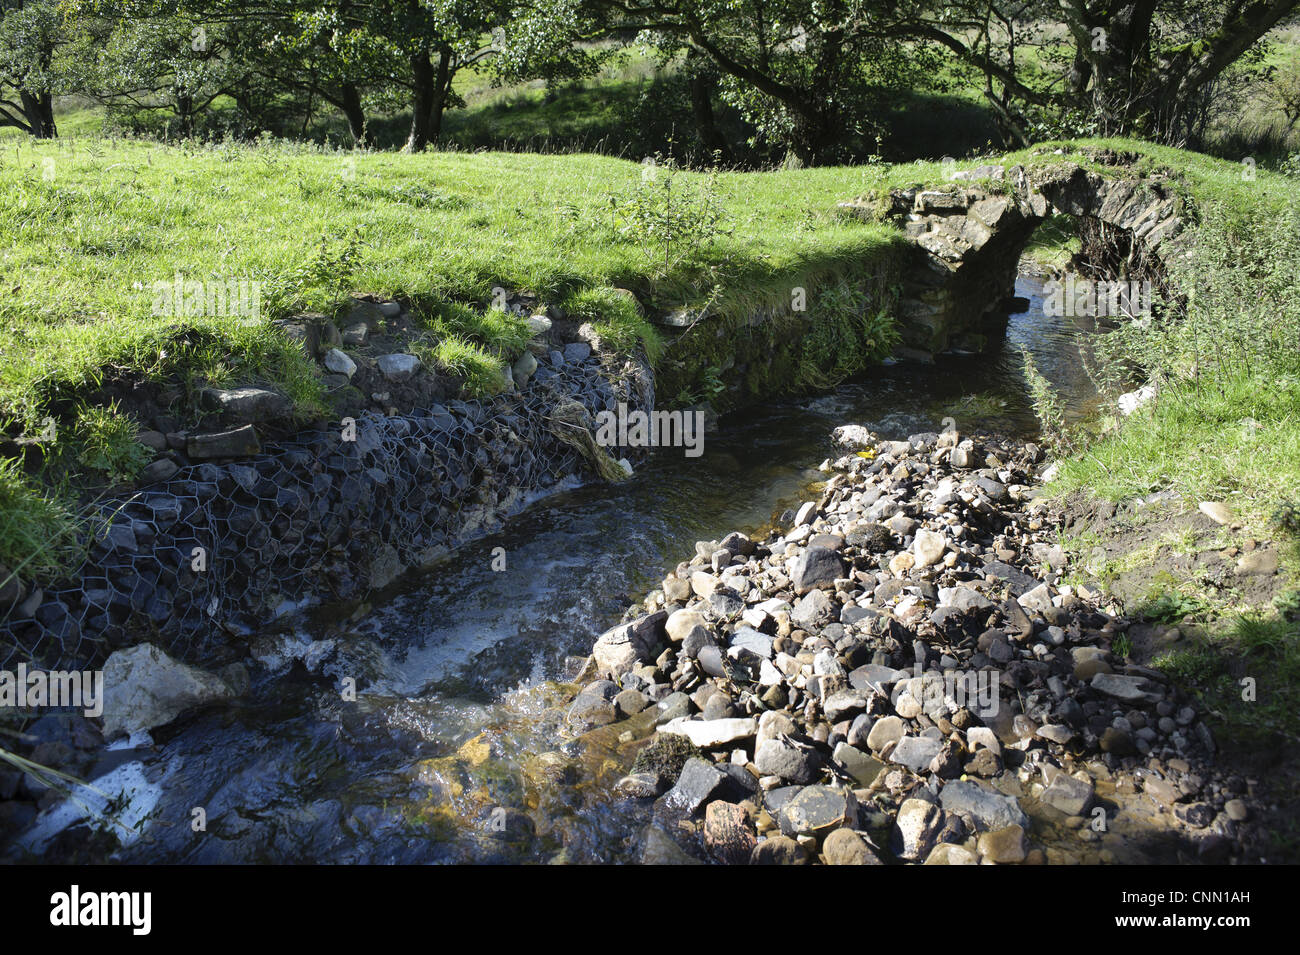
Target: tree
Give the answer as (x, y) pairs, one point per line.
(175, 63)
(1138, 67)
(33, 39)
(809, 74)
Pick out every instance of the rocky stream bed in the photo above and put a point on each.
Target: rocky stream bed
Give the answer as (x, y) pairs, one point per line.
(899, 673)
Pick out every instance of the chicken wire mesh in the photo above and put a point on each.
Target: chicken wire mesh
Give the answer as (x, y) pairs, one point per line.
(217, 551)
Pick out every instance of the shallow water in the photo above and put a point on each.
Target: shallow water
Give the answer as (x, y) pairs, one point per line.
(460, 668)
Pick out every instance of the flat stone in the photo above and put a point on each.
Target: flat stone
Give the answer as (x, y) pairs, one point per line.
(1257, 563)
(817, 809)
(1038, 600)
(872, 675)
(1070, 795)
(746, 638)
(398, 366)
(235, 443)
(708, 734)
(247, 405)
(1217, 511)
(698, 783)
(861, 766)
(986, 808)
(1003, 846)
(1129, 689)
(916, 752)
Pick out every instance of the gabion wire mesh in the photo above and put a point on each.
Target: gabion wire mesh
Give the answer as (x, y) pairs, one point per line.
(219, 550)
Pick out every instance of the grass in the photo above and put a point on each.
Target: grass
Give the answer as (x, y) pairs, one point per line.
(1203, 446)
(88, 227)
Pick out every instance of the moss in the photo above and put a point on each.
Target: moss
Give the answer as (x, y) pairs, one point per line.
(665, 755)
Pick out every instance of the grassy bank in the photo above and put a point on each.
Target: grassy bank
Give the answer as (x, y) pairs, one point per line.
(88, 227)
(1223, 428)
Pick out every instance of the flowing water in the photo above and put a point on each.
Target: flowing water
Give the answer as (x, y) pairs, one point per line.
(460, 670)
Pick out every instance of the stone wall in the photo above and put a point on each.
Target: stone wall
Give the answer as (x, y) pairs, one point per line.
(968, 238)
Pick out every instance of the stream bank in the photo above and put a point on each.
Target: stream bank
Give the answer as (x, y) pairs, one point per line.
(457, 747)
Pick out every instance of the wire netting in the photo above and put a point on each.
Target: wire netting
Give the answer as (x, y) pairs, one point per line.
(204, 559)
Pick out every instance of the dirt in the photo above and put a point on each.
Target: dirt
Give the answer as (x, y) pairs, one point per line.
(1189, 570)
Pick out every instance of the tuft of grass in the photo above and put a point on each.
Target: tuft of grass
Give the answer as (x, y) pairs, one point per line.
(617, 319)
(37, 528)
(480, 372)
(105, 441)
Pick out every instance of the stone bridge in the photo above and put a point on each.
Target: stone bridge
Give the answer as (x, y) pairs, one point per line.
(969, 236)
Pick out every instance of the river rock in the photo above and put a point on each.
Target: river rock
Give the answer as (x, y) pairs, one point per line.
(1003, 846)
(948, 853)
(680, 622)
(145, 688)
(338, 362)
(886, 730)
(246, 405)
(915, 829)
(235, 443)
(787, 759)
(699, 782)
(1126, 688)
(398, 367)
(1217, 511)
(916, 752)
(815, 810)
(1070, 795)
(594, 706)
(986, 808)
(816, 567)
(621, 648)
(778, 850)
(928, 548)
(846, 847)
(659, 848)
(728, 833)
(709, 734)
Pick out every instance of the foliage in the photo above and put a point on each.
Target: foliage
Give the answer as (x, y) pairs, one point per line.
(104, 440)
(671, 217)
(1048, 407)
(37, 528)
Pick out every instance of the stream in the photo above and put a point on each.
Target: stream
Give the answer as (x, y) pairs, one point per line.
(462, 669)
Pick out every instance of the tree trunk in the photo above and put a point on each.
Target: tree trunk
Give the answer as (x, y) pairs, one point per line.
(441, 89)
(350, 103)
(705, 124)
(38, 112)
(421, 101)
